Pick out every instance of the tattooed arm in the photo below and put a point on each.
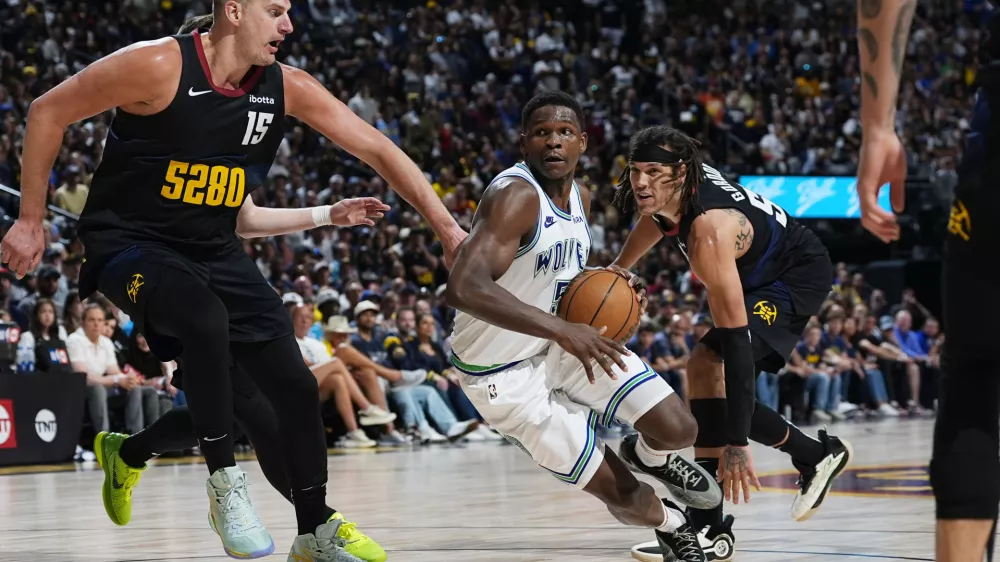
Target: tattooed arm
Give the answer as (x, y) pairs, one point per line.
(883, 29)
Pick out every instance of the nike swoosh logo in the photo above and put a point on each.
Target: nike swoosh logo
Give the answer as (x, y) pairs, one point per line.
(193, 93)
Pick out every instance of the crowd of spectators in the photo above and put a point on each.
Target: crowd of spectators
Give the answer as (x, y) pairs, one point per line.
(768, 86)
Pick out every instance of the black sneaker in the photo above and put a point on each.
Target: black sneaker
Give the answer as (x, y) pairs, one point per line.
(814, 485)
(718, 543)
(686, 480)
(680, 545)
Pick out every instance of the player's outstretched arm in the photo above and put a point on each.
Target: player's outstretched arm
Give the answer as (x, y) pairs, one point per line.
(255, 222)
(507, 213)
(712, 247)
(641, 240)
(142, 77)
(308, 100)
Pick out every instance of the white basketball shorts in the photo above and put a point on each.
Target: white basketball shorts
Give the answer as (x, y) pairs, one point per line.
(547, 406)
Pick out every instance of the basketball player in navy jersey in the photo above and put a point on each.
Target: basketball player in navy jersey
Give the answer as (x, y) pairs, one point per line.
(766, 275)
(964, 468)
(199, 119)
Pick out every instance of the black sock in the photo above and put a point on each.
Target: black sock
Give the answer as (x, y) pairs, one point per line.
(311, 510)
(699, 518)
(174, 431)
(805, 451)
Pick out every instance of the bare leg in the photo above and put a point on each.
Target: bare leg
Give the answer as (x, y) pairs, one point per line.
(357, 360)
(632, 502)
(335, 386)
(962, 540)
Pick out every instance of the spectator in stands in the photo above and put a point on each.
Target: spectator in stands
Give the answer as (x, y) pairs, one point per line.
(366, 372)
(807, 362)
(92, 353)
(72, 317)
(838, 355)
(336, 383)
(139, 359)
(72, 194)
(658, 355)
(45, 340)
(46, 286)
(423, 405)
(370, 337)
(869, 352)
(427, 354)
(907, 340)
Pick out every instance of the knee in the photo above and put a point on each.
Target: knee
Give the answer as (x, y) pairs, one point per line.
(965, 475)
(670, 424)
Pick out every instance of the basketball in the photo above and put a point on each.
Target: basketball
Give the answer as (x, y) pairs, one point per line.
(601, 298)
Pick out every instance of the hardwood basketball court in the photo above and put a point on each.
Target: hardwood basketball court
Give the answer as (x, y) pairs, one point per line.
(473, 503)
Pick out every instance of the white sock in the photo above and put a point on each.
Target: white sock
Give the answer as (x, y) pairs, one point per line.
(650, 456)
(672, 520)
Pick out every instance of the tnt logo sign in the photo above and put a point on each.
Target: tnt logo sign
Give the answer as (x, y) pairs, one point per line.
(8, 439)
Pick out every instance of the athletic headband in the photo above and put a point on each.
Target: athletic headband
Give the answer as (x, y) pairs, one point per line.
(654, 153)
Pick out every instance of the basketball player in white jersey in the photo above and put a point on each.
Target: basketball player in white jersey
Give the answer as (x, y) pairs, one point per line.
(530, 374)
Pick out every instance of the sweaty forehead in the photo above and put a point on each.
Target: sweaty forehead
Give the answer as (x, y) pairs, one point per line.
(553, 114)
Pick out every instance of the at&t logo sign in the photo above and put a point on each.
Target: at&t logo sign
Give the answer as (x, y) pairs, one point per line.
(8, 439)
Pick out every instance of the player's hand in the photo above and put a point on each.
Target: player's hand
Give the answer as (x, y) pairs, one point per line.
(736, 473)
(634, 281)
(22, 247)
(354, 212)
(883, 160)
(588, 344)
(450, 244)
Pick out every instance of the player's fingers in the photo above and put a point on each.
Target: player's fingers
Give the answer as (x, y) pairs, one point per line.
(368, 222)
(755, 481)
(745, 483)
(588, 366)
(601, 330)
(604, 361)
(613, 355)
(617, 346)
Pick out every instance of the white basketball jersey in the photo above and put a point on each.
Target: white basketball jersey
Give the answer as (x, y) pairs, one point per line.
(540, 272)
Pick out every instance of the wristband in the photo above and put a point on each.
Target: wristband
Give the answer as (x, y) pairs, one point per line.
(321, 215)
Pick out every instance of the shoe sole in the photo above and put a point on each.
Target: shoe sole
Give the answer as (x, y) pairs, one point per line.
(106, 487)
(650, 552)
(829, 483)
(269, 550)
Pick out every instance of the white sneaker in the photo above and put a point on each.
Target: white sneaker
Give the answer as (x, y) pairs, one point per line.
(324, 546)
(836, 415)
(357, 440)
(374, 415)
(814, 486)
(461, 429)
(233, 517)
(428, 435)
(411, 378)
(888, 411)
(488, 433)
(820, 416)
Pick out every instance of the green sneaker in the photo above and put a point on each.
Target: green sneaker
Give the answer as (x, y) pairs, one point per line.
(119, 478)
(356, 542)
